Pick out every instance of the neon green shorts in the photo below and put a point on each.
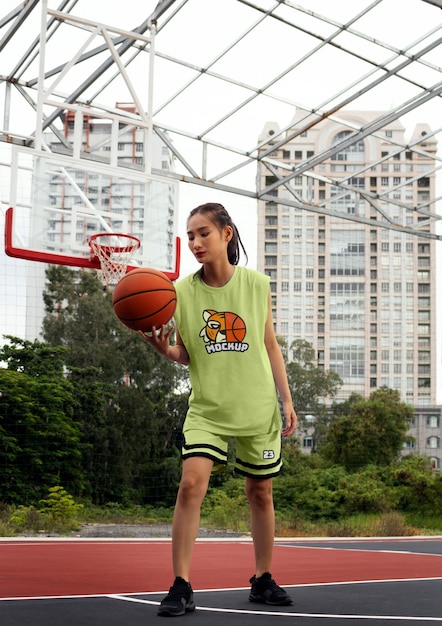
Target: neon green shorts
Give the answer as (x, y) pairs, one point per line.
(257, 457)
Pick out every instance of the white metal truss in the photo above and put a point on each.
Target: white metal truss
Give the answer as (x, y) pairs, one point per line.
(206, 75)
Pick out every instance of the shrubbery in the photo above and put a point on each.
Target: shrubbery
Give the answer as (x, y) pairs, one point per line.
(311, 498)
(58, 513)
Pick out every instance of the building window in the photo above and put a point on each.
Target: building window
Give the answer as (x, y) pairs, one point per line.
(271, 234)
(423, 382)
(433, 442)
(271, 247)
(435, 462)
(433, 421)
(347, 358)
(347, 253)
(355, 152)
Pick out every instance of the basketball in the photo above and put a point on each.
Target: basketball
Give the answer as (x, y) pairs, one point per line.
(235, 327)
(143, 298)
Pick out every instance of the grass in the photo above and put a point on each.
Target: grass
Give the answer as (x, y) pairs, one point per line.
(29, 520)
(391, 524)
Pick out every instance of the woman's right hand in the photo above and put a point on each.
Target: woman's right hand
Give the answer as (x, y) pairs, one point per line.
(159, 339)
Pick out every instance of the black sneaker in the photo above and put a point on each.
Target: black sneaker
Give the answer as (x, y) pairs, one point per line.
(179, 600)
(265, 590)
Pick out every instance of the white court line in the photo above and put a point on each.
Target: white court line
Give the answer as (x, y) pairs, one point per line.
(369, 551)
(59, 543)
(292, 615)
(38, 543)
(129, 594)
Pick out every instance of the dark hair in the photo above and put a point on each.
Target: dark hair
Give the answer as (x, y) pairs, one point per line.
(219, 216)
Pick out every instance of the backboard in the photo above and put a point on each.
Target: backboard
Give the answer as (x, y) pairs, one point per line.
(58, 202)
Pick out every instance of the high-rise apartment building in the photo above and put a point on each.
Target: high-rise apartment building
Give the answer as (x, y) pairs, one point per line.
(93, 177)
(362, 294)
(144, 208)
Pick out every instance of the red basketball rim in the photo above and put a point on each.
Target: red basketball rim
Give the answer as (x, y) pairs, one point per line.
(108, 249)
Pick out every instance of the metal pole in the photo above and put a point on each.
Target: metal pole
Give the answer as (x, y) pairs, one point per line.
(41, 72)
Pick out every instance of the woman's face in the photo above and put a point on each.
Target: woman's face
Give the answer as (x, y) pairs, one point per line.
(206, 241)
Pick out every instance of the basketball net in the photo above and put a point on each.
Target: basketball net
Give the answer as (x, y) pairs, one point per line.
(114, 252)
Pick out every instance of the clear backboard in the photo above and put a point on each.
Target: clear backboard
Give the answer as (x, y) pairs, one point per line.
(59, 202)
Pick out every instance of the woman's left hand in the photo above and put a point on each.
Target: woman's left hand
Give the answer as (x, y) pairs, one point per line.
(291, 419)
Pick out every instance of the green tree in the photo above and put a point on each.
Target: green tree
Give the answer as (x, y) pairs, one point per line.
(311, 387)
(33, 358)
(373, 431)
(40, 439)
(129, 408)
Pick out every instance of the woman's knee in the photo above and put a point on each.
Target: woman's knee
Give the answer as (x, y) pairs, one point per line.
(259, 492)
(194, 482)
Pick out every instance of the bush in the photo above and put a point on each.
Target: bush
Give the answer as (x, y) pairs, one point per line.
(366, 492)
(26, 518)
(60, 511)
(392, 525)
(224, 511)
(419, 488)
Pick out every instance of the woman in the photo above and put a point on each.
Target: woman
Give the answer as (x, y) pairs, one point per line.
(224, 333)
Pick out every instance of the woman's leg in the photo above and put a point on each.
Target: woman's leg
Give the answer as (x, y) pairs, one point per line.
(262, 517)
(186, 519)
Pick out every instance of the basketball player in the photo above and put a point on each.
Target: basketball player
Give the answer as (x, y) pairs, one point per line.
(224, 333)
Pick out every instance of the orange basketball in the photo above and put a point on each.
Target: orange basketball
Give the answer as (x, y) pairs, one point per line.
(143, 298)
(235, 327)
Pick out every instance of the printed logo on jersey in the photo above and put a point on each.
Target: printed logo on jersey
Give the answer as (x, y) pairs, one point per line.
(224, 332)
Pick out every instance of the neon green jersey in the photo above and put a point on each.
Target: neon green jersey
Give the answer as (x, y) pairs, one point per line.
(233, 391)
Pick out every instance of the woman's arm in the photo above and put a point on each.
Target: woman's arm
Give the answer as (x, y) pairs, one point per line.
(279, 374)
(160, 341)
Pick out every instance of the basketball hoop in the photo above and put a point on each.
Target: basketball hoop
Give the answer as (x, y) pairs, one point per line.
(114, 252)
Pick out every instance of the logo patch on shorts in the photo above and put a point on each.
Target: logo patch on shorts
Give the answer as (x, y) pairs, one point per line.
(268, 454)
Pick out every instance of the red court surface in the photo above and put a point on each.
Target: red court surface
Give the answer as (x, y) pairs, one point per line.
(376, 582)
(79, 567)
